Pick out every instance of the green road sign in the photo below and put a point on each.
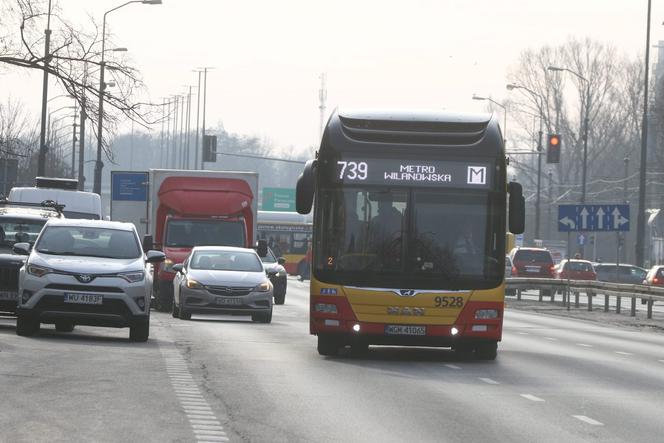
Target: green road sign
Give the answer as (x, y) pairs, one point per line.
(278, 199)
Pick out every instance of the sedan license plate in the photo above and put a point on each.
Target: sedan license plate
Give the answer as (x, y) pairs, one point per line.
(229, 301)
(532, 268)
(405, 330)
(8, 295)
(84, 299)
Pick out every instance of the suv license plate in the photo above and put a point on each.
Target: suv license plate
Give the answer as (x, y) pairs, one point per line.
(229, 301)
(405, 330)
(8, 295)
(84, 299)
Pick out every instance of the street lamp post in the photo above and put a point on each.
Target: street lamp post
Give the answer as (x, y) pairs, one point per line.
(102, 86)
(41, 162)
(586, 119)
(540, 105)
(489, 99)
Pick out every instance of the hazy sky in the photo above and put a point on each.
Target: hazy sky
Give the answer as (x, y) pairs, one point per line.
(268, 54)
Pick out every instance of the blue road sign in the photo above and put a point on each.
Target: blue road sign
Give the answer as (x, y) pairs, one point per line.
(129, 186)
(591, 218)
(581, 239)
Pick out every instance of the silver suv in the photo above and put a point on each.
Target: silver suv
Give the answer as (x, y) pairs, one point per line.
(86, 272)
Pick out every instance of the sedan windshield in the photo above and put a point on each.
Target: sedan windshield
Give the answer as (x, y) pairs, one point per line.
(89, 242)
(226, 261)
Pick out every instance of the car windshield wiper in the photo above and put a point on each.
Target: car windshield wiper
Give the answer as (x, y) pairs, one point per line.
(46, 251)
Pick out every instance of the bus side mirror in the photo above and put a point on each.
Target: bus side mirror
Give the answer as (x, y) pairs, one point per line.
(261, 248)
(304, 189)
(517, 208)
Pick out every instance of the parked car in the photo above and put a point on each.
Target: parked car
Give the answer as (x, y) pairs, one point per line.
(19, 222)
(623, 273)
(222, 280)
(575, 269)
(532, 262)
(655, 276)
(85, 272)
(276, 272)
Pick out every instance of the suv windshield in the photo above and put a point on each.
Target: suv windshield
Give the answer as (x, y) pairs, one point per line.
(18, 230)
(190, 233)
(88, 242)
(410, 236)
(226, 261)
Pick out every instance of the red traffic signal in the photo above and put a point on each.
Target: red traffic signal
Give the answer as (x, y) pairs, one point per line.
(553, 148)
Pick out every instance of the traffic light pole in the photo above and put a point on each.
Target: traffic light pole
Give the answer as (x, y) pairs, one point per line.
(539, 182)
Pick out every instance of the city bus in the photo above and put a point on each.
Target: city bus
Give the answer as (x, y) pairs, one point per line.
(288, 234)
(409, 231)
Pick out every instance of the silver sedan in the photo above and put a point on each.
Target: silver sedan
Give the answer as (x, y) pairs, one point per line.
(222, 280)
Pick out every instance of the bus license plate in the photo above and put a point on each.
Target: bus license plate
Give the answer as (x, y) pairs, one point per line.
(229, 301)
(84, 299)
(405, 330)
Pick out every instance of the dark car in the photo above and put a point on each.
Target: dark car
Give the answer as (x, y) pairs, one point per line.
(274, 266)
(532, 262)
(610, 272)
(19, 223)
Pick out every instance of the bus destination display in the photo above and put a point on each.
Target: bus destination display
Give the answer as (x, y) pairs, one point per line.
(373, 171)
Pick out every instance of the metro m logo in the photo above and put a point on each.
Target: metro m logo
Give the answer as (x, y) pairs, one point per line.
(476, 175)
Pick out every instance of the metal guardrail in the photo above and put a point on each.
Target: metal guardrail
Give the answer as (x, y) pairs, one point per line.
(549, 287)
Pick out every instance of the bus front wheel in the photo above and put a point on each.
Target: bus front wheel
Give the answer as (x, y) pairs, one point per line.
(328, 345)
(486, 351)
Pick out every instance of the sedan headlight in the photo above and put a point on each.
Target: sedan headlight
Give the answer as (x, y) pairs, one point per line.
(38, 271)
(133, 277)
(263, 287)
(193, 284)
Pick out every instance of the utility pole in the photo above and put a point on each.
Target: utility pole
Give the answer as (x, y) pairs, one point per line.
(182, 112)
(175, 134)
(548, 223)
(205, 71)
(161, 135)
(41, 164)
(188, 129)
(168, 134)
(81, 143)
(198, 107)
(322, 96)
(73, 149)
(539, 183)
(641, 220)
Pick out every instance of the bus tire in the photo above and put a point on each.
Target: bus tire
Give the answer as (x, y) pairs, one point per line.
(327, 345)
(486, 351)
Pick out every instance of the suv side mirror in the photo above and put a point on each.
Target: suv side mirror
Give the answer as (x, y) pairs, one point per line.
(155, 256)
(21, 248)
(261, 248)
(281, 261)
(517, 208)
(304, 189)
(148, 242)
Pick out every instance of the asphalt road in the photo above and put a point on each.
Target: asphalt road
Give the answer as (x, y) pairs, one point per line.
(227, 379)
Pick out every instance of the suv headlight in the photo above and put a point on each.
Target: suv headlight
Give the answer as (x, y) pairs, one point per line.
(132, 277)
(263, 287)
(38, 271)
(193, 284)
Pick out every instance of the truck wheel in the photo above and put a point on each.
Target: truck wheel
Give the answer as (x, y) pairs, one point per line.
(140, 331)
(64, 326)
(26, 327)
(486, 351)
(327, 345)
(165, 296)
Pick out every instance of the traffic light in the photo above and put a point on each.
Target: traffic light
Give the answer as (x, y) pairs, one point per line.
(210, 148)
(553, 148)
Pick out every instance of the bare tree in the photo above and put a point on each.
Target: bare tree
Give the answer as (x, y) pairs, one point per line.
(74, 58)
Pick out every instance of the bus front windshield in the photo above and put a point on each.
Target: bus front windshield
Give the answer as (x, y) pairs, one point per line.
(409, 238)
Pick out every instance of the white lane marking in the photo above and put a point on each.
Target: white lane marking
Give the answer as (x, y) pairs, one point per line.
(531, 397)
(624, 353)
(523, 333)
(550, 338)
(588, 420)
(453, 366)
(204, 424)
(585, 345)
(489, 381)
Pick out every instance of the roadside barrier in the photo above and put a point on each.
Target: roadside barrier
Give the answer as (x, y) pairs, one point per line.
(549, 287)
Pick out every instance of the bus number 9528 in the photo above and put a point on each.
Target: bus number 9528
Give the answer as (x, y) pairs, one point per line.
(353, 170)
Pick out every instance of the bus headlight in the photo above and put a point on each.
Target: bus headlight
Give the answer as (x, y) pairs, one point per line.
(486, 313)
